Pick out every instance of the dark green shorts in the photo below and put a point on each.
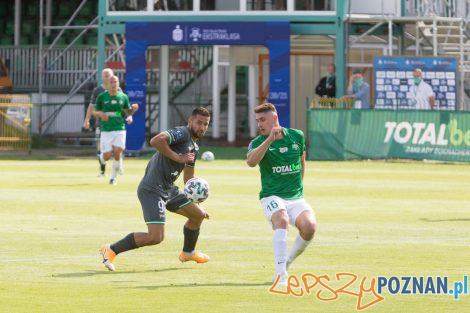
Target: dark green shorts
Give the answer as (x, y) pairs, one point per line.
(154, 203)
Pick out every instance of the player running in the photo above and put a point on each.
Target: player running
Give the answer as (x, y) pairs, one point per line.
(110, 107)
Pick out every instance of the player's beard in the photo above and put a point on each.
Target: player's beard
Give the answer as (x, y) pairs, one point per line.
(196, 135)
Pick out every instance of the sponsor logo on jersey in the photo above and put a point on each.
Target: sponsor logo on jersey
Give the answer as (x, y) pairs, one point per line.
(286, 169)
(283, 149)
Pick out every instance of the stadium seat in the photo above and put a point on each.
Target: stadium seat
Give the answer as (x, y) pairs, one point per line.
(66, 10)
(28, 26)
(6, 40)
(24, 40)
(9, 28)
(62, 40)
(89, 10)
(32, 10)
(3, 10)
(81, 21)
(34, 40)
(92, 40)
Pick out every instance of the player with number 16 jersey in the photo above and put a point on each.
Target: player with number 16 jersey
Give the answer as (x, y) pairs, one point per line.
(281, 172)
(280, 154)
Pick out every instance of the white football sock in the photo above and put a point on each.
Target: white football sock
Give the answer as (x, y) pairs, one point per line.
(297, 248)
(115, 169)
(102, 158)
(121, 166)
(280, 250)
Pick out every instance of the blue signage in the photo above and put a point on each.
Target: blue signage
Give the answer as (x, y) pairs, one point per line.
(139, 35)
(393, 77)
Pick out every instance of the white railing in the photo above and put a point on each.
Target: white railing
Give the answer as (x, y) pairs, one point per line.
(217, 7)
(442, 8)
(23, 67)
(76, 64)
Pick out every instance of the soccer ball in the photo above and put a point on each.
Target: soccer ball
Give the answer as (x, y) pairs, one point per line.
(207, 156)
(196, 189)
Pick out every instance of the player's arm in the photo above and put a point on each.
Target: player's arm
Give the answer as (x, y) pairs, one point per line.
(130, 112)
(188, 173)
(432, 101)
(89, 113)
(97, 111)
(101, 115)
(256, 155)
(161, 142)
(91, 108)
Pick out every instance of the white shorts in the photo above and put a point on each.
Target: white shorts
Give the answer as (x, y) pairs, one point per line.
(108, 140)
(293, 208)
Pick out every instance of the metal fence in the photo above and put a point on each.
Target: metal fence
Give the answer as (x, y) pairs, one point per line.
(15, 122)
(62, 69)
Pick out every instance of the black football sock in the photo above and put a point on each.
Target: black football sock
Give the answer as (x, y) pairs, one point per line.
(190, 239)
(125, 244)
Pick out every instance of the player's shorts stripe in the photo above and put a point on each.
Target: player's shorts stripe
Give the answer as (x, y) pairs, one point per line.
(171, 137)
(155, 223)
(184, 204)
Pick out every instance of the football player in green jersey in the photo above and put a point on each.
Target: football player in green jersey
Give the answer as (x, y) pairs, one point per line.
(105, 76)
(110, 107)
(280, 154)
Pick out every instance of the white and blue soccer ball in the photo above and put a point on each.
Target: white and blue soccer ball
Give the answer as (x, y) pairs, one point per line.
(207, 156)
(196, 189)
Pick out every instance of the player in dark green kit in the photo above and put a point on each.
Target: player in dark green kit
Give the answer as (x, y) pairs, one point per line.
(176, 153)
(280, 154)
(110, 108)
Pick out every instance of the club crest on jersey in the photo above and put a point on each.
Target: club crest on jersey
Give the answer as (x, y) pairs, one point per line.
(295, 146)
(283, 149)
(178, 133)
(113, 101)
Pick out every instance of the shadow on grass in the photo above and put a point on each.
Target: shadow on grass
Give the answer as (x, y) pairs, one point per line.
(105, 272)
(195, 285)
(445, 220)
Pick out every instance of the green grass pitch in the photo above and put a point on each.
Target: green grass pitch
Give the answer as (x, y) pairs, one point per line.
(375, 219)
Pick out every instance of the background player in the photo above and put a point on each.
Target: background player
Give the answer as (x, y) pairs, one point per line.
(110, 106)
(105, 76)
